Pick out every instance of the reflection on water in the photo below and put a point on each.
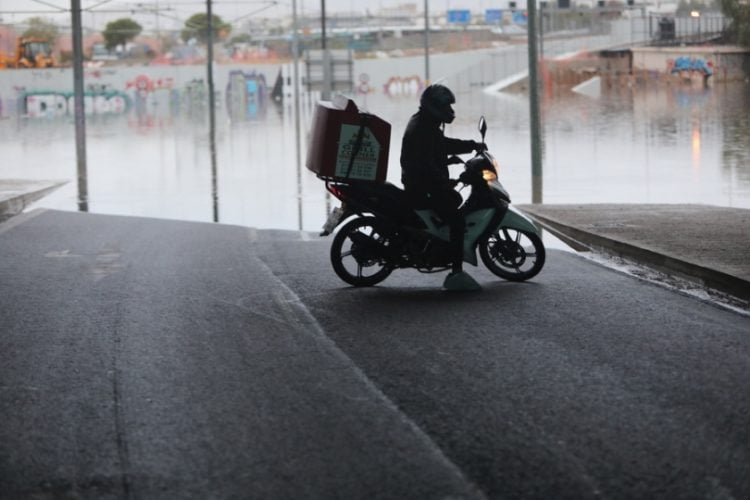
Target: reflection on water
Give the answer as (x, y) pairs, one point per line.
(668, 145)
(663, 145)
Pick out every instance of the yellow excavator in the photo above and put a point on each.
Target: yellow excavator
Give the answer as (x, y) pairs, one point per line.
(30, 53)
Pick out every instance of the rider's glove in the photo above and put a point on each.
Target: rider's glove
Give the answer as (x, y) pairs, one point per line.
(466, 177)
(479, 147)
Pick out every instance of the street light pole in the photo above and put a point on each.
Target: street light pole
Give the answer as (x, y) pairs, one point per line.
(212, 110)
(535, 121)
(426, 44)
(79, 107)
(326, 94)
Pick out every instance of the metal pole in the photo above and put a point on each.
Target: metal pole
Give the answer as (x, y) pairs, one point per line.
(79, 107)
(326, 94)
(327, 66)
(297, 134)
(212, 110)
(323, 24)
(541, 32)
(426, 44)
(535, 121)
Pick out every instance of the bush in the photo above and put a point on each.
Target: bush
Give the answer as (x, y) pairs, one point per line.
(738, 13)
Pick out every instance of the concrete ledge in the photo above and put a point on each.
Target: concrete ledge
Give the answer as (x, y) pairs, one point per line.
(16, 194)
(706, 245)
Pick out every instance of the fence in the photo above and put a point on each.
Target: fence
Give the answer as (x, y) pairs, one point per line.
(672, 30)
(562, 35)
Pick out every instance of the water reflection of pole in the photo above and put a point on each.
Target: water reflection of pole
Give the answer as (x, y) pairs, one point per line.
(295, 50)
(535, 122)
(212, 109)
(80, 115)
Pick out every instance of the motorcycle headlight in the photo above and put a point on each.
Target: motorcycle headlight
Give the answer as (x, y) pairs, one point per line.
(489, 175)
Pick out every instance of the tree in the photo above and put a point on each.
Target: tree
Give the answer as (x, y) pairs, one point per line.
(120, 32)
(738, 13)
(197, 27)
(41, 28)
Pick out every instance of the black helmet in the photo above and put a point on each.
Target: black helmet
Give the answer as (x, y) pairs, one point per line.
(436, 100)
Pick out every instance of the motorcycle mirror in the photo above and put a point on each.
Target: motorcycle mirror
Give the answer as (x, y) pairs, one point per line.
(482, 127)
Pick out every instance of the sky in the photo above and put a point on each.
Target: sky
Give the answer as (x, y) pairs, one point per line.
(168, 12)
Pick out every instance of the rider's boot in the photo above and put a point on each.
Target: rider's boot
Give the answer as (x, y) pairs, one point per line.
(459, 281)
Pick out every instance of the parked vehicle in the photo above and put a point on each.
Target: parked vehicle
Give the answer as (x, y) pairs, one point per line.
(381, 232)
(30, 53)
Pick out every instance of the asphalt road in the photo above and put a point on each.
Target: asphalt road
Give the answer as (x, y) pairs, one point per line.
(143, 358)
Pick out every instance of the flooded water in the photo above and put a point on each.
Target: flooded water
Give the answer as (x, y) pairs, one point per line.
(665, 145)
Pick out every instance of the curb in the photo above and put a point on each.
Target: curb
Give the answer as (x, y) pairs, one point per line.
(14, 205)
(581, 240)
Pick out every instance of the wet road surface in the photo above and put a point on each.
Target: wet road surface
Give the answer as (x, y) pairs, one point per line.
(144, 358)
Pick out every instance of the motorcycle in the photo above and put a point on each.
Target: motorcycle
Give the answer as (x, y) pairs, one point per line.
(387, 233)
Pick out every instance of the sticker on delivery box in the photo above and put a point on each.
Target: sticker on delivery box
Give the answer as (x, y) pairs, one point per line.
(365, 162)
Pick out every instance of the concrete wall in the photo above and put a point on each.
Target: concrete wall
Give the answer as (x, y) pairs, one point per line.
(164, 89)
(727, 63)
(117, 89)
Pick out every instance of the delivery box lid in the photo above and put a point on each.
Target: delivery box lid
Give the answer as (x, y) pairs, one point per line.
(346, 144)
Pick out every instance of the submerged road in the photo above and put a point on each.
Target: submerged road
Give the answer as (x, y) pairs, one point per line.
(144, 358)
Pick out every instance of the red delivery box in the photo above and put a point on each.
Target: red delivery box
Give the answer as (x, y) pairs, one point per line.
(348, 144)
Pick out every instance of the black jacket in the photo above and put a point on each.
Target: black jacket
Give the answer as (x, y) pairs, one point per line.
(424, 154)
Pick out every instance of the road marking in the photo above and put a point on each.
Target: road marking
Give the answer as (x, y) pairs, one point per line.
(61, 254)
(108, 262)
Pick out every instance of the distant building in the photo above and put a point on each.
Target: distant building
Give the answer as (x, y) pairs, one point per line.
(8, 38)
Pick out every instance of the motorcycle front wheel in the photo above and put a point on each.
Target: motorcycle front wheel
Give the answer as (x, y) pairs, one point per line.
(513, 254)
(357, 252)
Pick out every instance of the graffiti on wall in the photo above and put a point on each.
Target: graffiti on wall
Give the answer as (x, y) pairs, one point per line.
(246, 95)
(690, 65)
(153, 97)
(142, 84)
(52, 104)
(142, 97)
(403, 86)
(194, 99)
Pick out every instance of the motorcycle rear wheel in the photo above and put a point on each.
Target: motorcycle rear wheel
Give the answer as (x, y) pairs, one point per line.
(356, 252)
(513, 254)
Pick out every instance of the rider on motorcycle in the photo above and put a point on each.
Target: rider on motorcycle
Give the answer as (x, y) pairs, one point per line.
(425, 175)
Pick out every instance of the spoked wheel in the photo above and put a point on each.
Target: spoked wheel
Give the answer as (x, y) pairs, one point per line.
(513, 254)
(357, 252)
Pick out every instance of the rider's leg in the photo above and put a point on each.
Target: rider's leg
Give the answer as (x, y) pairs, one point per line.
(446, 204)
